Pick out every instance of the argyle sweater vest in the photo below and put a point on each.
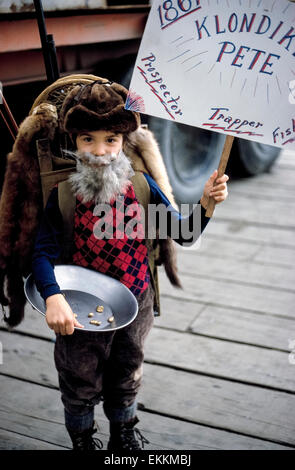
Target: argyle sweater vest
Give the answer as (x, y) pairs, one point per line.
(112, 242)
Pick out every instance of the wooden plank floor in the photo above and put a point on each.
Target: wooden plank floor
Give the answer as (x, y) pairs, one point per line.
(218, 370)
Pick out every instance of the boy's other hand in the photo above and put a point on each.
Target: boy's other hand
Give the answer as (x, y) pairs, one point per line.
(216, 188)
(59, 315)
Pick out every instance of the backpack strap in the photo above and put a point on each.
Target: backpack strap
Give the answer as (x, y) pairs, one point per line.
(67, 204)
(141, 188)
(142, 192)
(143, 195)
(53, 170)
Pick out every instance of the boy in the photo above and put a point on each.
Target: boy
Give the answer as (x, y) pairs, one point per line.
(109, 365)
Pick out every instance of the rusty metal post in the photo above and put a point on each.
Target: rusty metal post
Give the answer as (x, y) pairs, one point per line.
(48, 46)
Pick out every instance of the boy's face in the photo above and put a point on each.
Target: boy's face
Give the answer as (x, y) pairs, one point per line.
(99, 143)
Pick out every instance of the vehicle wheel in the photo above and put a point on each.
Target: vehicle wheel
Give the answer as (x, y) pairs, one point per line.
(250, 158)
(190, 155)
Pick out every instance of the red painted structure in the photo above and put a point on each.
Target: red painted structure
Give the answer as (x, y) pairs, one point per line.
(108, 34)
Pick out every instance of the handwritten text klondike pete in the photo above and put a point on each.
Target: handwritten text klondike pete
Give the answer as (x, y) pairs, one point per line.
(241, 55)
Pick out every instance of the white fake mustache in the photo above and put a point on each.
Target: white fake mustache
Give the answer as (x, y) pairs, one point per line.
(100, 179)
(93, 161)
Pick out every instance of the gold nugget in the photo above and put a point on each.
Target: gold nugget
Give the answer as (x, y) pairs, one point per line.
(95, 322)
(90, 314)
(111, 319)
(99, 308)
(75, 315)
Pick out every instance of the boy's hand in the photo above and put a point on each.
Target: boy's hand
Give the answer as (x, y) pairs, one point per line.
(59, 315)
(218, 191)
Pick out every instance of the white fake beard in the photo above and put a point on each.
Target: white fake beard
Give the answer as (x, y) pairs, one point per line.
(100, 178)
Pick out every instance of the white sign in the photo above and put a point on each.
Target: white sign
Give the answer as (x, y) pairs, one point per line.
(223, 65)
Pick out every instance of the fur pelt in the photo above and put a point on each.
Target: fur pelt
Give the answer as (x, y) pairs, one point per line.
(21, 203)
(143, 150)
(20, 208)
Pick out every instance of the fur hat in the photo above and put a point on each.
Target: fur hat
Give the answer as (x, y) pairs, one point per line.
(98, 106)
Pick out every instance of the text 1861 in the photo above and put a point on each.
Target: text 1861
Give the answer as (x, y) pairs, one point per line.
(173, 10)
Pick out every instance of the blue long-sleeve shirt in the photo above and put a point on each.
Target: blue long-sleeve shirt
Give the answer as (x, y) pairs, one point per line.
(49, 240)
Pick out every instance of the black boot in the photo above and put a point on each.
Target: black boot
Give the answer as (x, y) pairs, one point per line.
(123, 436)
(84, 441)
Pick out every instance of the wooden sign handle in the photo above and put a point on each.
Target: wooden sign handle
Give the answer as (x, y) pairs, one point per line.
(221, 169)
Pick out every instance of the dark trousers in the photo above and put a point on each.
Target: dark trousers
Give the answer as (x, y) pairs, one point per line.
(107, 365)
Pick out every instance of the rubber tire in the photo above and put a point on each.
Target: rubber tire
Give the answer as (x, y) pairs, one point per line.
(190, 155)
(250, 158)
